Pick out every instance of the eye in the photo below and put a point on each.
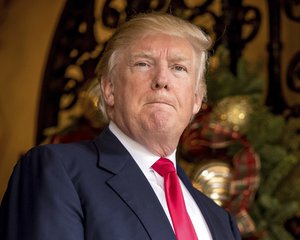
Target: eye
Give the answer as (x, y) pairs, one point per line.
(141, 64)
(179, 68)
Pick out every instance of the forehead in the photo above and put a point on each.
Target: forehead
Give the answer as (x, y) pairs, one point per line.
(162, 44)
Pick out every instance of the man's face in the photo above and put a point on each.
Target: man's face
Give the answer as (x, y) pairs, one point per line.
(152, 90)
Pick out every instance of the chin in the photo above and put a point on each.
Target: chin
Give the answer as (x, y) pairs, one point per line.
(160, 120)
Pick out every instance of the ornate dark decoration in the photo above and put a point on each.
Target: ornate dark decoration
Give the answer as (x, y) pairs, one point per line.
(274, 97)
(289, 7)
(293, 73)
(236, 18)
(293, 69)
(293, 83)
(73, 38)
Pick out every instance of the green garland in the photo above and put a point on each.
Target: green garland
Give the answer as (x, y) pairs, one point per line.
(273, 137)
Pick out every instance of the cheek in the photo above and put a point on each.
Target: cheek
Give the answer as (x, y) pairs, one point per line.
(127, 94)
(136, 84)
(188, 100)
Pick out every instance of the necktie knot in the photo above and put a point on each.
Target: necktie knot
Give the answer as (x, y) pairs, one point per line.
(163, 166)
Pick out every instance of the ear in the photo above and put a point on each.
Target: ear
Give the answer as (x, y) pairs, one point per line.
(197, 103)
(107, 88)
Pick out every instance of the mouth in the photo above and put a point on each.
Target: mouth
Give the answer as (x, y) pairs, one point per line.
(159, 102)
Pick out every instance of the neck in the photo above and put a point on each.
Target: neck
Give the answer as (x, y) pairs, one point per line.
(159, 144)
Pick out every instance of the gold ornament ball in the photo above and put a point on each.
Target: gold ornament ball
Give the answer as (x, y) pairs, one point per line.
(233, 113)
(213, 177)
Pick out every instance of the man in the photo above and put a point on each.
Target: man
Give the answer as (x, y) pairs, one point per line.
(152, 81)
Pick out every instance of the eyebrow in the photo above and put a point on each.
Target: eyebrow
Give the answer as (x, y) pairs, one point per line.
(180, 58)
(149, 55)
(143, 54)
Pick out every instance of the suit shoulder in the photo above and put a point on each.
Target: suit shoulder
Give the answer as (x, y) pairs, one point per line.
(66, 154)
(66, 150)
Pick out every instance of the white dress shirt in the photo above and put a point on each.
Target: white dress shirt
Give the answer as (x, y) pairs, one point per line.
(145, 159)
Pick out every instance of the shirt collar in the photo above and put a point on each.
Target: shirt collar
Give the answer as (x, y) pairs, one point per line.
(143, 157)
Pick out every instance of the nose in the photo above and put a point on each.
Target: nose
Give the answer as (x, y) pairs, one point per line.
(160, 78)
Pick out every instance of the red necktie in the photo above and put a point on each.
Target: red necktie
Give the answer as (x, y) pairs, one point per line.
(184, 229)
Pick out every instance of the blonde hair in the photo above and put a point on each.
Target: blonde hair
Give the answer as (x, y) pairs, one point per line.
(154, 23)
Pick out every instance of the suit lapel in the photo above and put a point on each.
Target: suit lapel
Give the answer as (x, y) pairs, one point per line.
(130, 184)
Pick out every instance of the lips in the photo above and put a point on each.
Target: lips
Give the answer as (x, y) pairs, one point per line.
(160, 102)
(160, 98)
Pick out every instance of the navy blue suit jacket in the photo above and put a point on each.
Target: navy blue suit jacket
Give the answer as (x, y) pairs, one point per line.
(92, 190)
